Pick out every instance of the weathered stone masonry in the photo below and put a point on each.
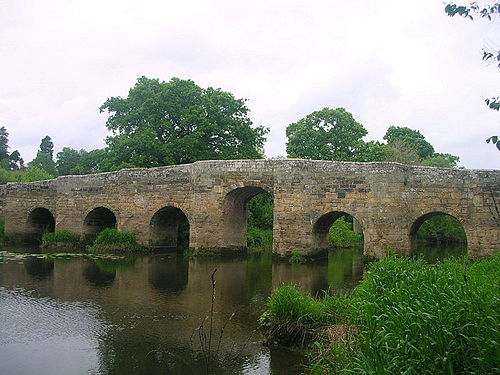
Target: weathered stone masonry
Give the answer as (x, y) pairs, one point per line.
(389, 200)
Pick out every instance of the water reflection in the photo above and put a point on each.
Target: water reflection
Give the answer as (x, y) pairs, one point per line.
(169, 273)
(142, 315)
(436, 252)
(97, 276)
(39, 268)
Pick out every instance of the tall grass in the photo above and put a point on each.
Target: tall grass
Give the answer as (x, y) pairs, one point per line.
(112, 240)
(406, 317)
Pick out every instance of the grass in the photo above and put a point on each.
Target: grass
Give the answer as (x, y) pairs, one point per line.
(297, 258)
(110, 240)
(406, 317)
(61, 239)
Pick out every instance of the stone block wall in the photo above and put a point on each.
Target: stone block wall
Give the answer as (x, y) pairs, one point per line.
(388, 200)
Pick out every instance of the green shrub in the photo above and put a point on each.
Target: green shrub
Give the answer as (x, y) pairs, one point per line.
(292, 316)
(260, 238)
(297, 258)
(112, 240)
(2, 233)
(341, 234)
(416, 318)
(59, 236)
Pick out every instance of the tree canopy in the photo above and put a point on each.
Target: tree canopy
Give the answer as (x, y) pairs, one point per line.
(329, 134)
(177, 122)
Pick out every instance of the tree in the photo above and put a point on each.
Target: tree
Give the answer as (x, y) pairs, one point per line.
(47, 147)
(16, 162)
(176, 122)
(413, 139)
(4, 143)
(329, 134)
(43, 159)
(69, 161)
(488, 11)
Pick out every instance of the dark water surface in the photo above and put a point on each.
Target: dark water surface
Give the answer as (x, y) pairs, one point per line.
(66, 314)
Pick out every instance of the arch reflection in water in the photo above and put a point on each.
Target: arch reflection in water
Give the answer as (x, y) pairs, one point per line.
(39, 268)
(437, 235)
(40, 221)
(97, 220)
(169, 274)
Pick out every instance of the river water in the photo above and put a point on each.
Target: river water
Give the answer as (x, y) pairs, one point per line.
(64, 314)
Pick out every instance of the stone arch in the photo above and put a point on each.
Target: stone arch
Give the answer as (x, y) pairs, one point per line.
(421, 219)
(169, 228)
(97, 220)
(40, 221)
(235, 214)
(322, 226)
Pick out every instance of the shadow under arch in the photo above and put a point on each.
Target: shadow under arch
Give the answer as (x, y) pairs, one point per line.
(235, 214)
(40, 221)
(97, 220)
(170, 229)
(321, 228)
(455, 234)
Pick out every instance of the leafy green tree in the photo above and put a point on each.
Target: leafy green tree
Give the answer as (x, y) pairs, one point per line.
(43, 159)
(47, 147)
(442, 160)
(489, 11)
(45, 162)
(69, 161)
(16, 162)
(329, 134)
(4, 143)
(177, 122)
(35, 174)
(412, 138)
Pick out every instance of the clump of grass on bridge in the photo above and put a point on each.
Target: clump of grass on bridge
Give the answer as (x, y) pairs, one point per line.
(61, 239)
(406, 317)
(111, 240)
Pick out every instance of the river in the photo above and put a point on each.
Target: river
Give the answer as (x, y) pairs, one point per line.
(64, 314)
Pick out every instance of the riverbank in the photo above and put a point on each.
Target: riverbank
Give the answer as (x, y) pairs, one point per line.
(406, 316)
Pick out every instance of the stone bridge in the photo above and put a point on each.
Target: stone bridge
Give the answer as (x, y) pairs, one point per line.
(389, 201)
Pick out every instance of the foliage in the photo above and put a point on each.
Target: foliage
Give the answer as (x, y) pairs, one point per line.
(488, 11)
(297, 258)
(441, 229)
(69, 161)
(8, 161)
(59, 236)
(4, 143)
(111, 239)
(258, 238)
(47, 147)
(111, 236)
(260, 211)
(34, 174)
(412, 138)
(406, 317)
(292, 316)
(176, 122)
(341, 233)
(329, 134)
(44, 161)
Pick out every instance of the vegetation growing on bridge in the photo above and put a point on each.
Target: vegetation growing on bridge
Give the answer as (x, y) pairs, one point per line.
(63, 239)
(110, 240)
(406, 316)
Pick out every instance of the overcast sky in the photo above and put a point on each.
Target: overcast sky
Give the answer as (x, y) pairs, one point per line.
(388, 62)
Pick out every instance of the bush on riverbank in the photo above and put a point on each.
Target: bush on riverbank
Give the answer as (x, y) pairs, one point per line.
(341, 234)
(406, 316)
(111, 240)
(261, 239)
(62, 239)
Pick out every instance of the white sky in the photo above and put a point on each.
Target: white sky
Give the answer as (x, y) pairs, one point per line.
(388, 62)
